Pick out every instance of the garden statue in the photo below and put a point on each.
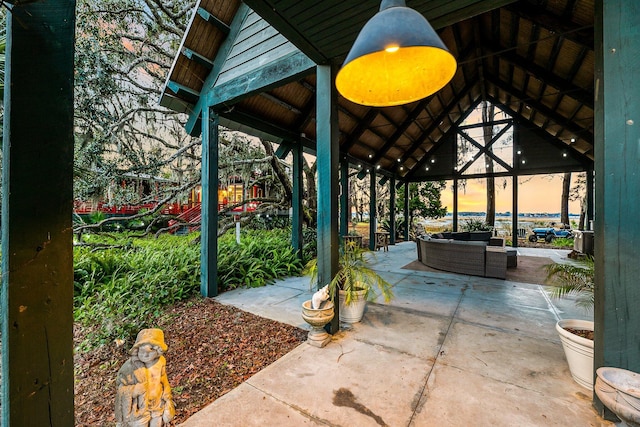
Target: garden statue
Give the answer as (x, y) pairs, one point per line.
(143, 395)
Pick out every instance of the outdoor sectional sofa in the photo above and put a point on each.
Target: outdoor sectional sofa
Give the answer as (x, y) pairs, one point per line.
(473, 253)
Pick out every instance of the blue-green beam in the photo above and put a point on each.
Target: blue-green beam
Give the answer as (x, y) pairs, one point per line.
(617, 165)
(196, 57)
(392, 211)
(213, 20)
(297, 240)
(345, 211)
(209, 221)
(328, 163)
(373, 216)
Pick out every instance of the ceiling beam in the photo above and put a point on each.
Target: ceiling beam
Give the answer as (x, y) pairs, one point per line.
(284, 27)
(196, 57)
(213, 20)
(585, 158)
(446, 137)
(578, 93)
(582, 36)
(186, 93)
(400, 130)
(436, 123)
(361, 127)
(579, 131)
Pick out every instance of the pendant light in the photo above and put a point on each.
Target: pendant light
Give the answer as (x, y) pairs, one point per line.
(397, 58)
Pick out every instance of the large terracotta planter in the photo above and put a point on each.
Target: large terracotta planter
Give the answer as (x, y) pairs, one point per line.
(317, 318)
(578, 351)
(353, 312)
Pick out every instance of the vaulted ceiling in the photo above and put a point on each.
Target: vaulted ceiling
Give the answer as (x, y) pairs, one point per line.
(534, 59)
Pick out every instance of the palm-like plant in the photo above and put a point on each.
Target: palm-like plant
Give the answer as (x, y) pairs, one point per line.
(354, 274)
(571, 279)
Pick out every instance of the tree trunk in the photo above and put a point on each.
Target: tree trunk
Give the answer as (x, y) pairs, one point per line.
(311, 193)
(564, 204)
(487, 130)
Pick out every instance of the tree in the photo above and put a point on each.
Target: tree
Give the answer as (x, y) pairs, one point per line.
(564, 203)
(124, 51)
(424, 200)
(487, 132)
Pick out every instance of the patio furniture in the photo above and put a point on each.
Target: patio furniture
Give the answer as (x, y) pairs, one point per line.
(381, 240)
(512, 257)
(475, 258)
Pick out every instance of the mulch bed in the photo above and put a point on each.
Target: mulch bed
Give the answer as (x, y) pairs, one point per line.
(530, 269)
(212, 349)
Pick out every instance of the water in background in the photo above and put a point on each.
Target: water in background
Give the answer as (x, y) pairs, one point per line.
(503, 224)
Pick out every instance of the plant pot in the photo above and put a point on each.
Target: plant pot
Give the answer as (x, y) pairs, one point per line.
(578, 351)
(317, 318)
(353, 312)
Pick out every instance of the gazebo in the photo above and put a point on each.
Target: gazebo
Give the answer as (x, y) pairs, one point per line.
(564, 71)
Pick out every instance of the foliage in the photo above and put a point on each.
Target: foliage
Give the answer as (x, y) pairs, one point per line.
(563, 242)
(354, 274)
(310, 244)
(424, 200)
(474, 224)
(122, 284)
(571, 279)
(260, 258)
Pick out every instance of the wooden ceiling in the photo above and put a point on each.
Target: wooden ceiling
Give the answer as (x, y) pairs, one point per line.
(534, 59)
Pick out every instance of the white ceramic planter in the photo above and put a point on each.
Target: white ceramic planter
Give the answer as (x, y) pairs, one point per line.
(353, 312)
(578, 351)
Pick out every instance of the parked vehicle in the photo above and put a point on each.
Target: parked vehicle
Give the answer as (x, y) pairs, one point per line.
(549, 234)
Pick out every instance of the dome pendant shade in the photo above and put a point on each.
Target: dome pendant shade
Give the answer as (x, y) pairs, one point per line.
(397, 58)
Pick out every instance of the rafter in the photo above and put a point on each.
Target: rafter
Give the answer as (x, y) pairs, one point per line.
(582, 36)
(401, 129)
(434, 125)
(453, 129)
(361, 127)
(560, 120)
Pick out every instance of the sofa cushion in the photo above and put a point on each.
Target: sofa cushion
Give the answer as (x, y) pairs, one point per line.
(480, 235)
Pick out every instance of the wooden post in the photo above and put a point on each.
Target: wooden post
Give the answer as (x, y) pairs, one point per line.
(455, 204)
(617, 164)
(406, 211)
(514, 183)
(37, 205)
(209, 221)
(373, 217)
(392, 209)
(345, 212)
(589, 199)
(327, 150)
(297, 240)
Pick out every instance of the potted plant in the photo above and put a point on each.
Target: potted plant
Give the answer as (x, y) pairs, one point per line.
(576, 335)
(355, 282)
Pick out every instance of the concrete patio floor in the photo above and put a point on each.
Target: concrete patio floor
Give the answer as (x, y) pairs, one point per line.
(449, 350)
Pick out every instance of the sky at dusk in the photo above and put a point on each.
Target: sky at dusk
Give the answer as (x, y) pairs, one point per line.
(536, 194)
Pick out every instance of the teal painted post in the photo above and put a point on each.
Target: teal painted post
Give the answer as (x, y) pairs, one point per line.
(327, 160)
(37, 205)
(373, 216)
(209, 208)
(406, 211)
(514, 182)
(455, 204)
(617, 165)
(514, 214)
(297, 240)
(392, 210)
(345, 211)
(589, 198)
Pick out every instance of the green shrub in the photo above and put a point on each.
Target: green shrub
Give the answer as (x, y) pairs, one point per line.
(474, 224)
(563, 242)
(120, 290)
